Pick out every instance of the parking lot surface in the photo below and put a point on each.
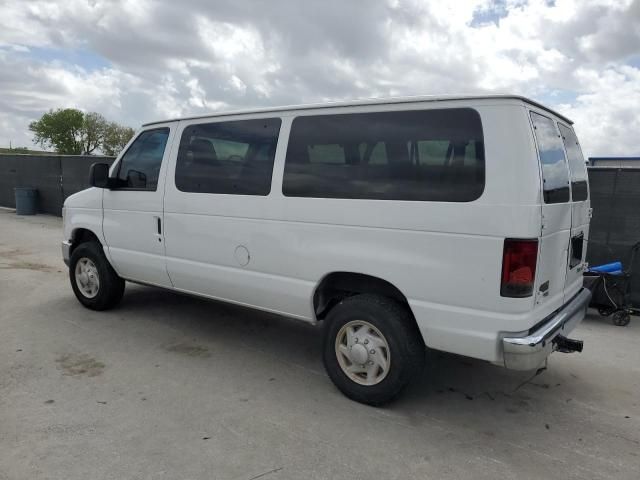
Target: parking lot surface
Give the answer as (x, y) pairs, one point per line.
(168, 386)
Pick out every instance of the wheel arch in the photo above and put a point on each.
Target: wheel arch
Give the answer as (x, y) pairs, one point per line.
(337, 285)
(81, 235)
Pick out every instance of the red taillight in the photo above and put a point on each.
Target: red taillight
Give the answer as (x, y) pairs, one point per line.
(518, 267)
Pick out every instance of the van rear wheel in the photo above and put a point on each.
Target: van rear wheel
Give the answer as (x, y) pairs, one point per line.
(94, 281)
(372, 348)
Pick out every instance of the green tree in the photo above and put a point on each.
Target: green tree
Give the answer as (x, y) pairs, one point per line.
(72, 132)
(116, 137)
(92, 134)
(59, 129)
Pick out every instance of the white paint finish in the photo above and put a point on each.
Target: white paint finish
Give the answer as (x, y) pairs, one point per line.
(130, 227)
(440, 255)
(397, 103)
(201, 259)
(561, 222)
(242, 255)
(552, 264)
(579, 225)
(83, 211)
(553, 240)
(88, 199)
(444, 257)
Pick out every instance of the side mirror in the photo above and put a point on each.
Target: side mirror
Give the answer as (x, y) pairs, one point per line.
(99, 175)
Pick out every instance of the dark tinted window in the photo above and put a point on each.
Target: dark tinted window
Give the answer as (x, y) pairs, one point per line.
(577, 167)
(433, 155)
(140, 165)
(555, 176)
(228, 157)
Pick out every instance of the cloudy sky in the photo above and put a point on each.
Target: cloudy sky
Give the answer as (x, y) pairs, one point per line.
(140, 60)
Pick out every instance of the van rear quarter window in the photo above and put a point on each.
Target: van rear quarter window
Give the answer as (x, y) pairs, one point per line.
(234, 157)
(424, 155)
(577, 166)
(555, 176)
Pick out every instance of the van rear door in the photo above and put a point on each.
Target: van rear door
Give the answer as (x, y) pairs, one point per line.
(579, 210)
(556, 212)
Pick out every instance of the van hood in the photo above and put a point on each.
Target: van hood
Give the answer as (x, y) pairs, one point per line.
(89, 198)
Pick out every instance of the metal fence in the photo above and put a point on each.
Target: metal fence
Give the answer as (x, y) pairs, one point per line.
(54, 176)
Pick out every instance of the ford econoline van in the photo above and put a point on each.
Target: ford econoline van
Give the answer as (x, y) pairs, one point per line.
(451, 223)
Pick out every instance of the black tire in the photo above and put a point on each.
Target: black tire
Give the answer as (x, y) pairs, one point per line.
(406, 347)
(606, 311)
(621, 318)
(111, 287)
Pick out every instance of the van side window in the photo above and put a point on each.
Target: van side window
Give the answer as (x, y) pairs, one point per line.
(424, 155)
(140, 165)
(577, 167)
(233, 157)
(555, 176)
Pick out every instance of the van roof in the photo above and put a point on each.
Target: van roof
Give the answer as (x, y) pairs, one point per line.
(370, 101)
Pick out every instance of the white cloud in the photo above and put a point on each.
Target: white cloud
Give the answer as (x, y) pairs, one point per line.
(607, 113)
(141, 59)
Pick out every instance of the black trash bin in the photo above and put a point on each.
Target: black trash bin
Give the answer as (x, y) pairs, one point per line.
(26, 200)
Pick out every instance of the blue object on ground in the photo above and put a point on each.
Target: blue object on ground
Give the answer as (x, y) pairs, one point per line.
(26, 198)
(614, 268)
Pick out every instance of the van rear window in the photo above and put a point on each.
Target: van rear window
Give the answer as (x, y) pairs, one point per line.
(577, 167)
(425, 155)
(555, 176)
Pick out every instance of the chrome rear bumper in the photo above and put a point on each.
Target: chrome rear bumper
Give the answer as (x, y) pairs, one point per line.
(530, 351)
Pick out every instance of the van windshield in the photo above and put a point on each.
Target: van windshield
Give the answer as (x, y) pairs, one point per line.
(577, 167)
(555, 176)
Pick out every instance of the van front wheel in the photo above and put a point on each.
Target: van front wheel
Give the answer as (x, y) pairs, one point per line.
(94, 281)
(372, 348)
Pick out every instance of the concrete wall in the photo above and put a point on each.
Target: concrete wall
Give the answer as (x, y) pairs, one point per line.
(55, 176)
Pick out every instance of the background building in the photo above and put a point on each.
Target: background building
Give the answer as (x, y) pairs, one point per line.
(614, 162)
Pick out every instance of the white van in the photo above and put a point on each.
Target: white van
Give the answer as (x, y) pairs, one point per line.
(454, 223)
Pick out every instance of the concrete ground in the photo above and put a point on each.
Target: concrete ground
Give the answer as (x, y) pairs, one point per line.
(173, 387)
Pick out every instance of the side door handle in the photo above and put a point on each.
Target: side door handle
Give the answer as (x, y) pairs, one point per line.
(158, 233)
